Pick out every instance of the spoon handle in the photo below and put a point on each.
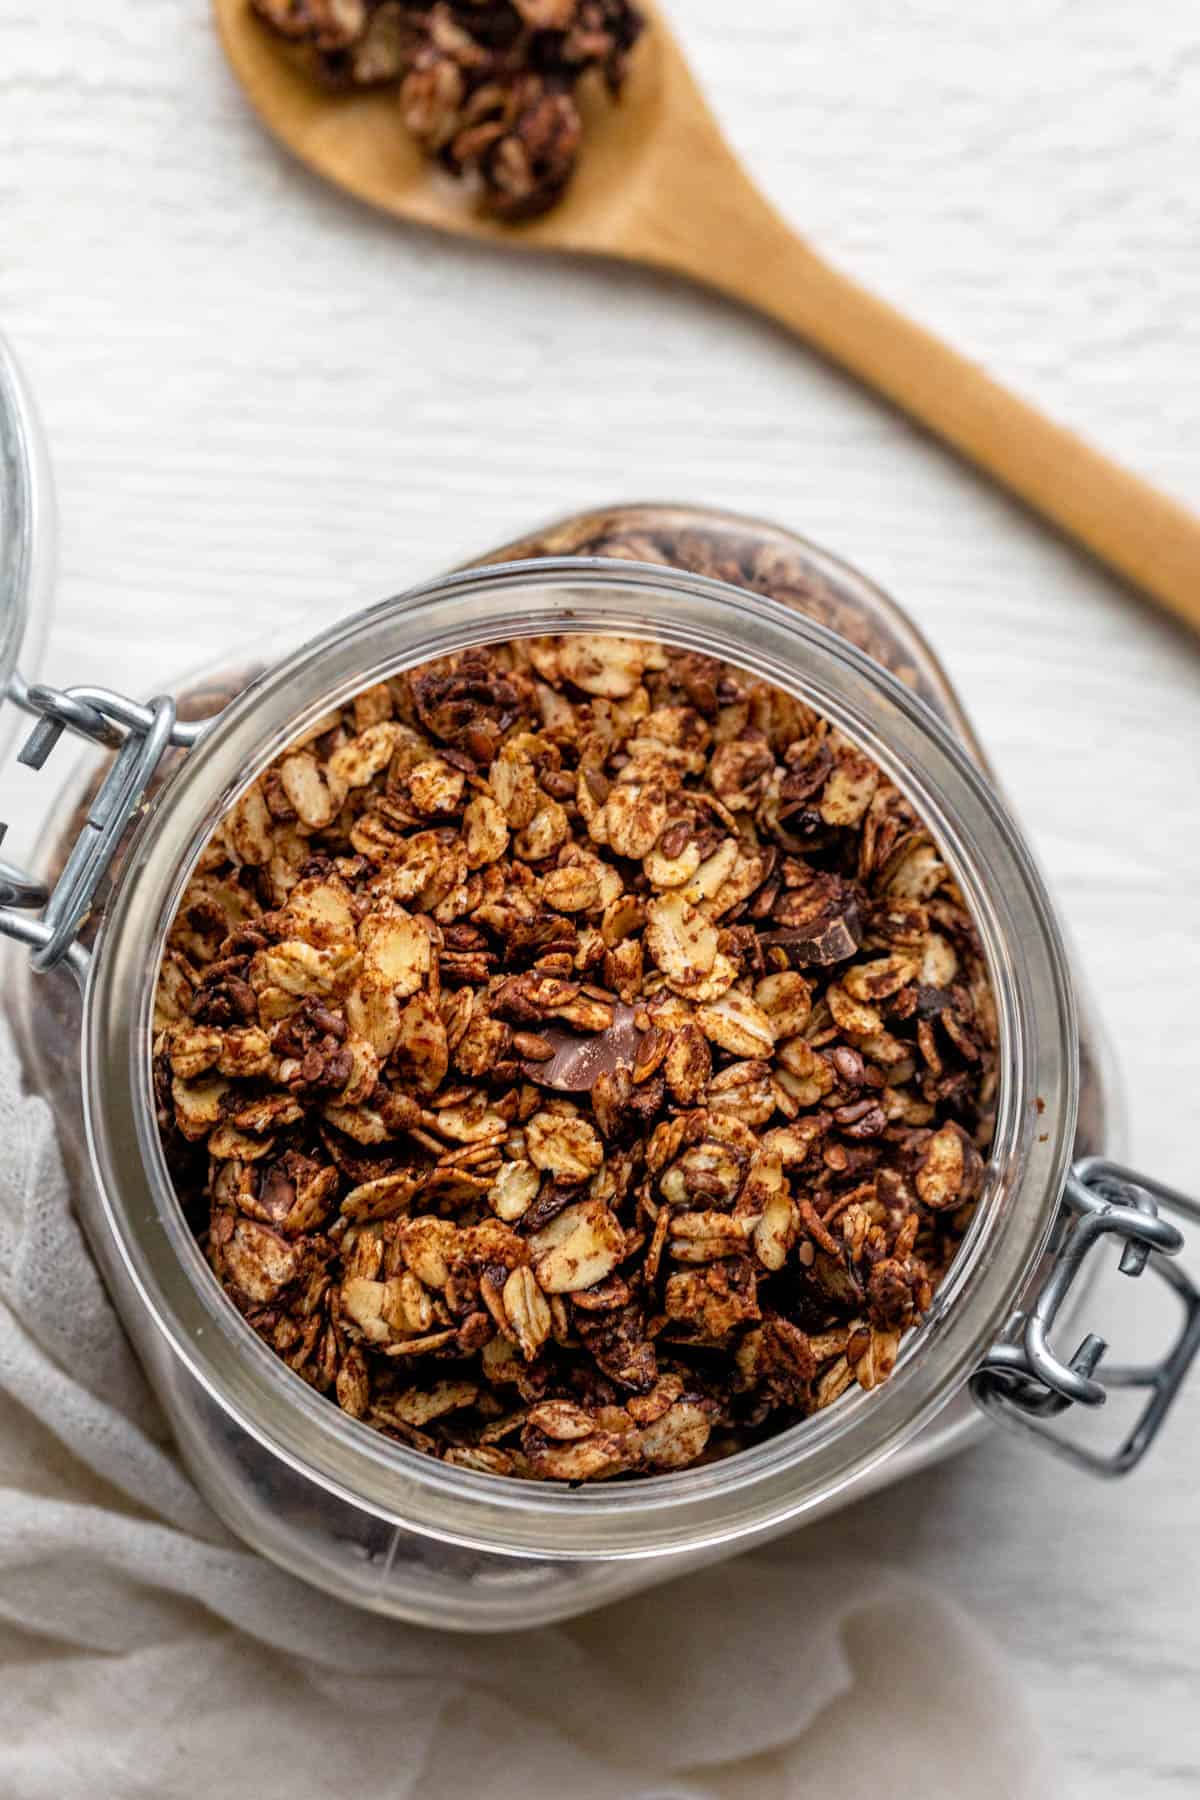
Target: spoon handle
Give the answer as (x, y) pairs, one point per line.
(749, 251)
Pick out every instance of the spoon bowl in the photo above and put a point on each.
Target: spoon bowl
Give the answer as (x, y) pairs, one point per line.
(355, 138)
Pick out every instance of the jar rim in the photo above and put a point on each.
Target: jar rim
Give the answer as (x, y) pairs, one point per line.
(792, 1472)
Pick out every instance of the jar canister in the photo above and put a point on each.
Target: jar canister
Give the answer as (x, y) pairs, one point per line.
(371, 1519)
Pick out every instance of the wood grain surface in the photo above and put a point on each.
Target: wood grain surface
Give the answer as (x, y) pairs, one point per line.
(264, 400)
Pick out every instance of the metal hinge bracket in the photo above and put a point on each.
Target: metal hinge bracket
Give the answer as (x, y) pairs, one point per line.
(1025, 1384)
(49, 919)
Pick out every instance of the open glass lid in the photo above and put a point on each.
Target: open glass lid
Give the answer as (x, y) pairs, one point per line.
(26, 541)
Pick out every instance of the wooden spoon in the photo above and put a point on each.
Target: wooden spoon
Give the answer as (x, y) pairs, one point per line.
(658, 184)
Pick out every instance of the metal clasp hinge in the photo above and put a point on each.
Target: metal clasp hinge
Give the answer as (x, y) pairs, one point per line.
(48, 919)
(1025, 1385)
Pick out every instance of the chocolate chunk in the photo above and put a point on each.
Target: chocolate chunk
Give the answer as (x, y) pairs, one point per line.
(578, 1058)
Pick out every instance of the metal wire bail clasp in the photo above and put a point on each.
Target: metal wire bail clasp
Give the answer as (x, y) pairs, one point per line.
(1023, 1383)
(48, 920)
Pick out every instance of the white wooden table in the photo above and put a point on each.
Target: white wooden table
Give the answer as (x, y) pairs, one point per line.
(262, 398)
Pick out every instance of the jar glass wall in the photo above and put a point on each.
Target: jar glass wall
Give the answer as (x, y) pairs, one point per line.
(324, 1494)
(999, 885)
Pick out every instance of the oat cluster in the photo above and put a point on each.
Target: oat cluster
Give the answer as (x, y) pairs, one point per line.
(576, 1059)
(486, 87)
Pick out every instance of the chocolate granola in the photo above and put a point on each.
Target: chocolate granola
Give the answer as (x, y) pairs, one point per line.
(576, 1059)
(485, 87)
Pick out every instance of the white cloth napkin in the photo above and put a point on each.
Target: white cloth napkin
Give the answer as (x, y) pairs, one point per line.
(144, 1653)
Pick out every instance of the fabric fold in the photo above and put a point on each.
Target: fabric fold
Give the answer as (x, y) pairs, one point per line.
(145, 1653)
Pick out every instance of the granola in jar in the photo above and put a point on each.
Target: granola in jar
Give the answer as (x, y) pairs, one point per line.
(576, 1060)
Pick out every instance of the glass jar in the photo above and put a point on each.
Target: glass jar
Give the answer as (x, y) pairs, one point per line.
(371, 1519)
(26, 536)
